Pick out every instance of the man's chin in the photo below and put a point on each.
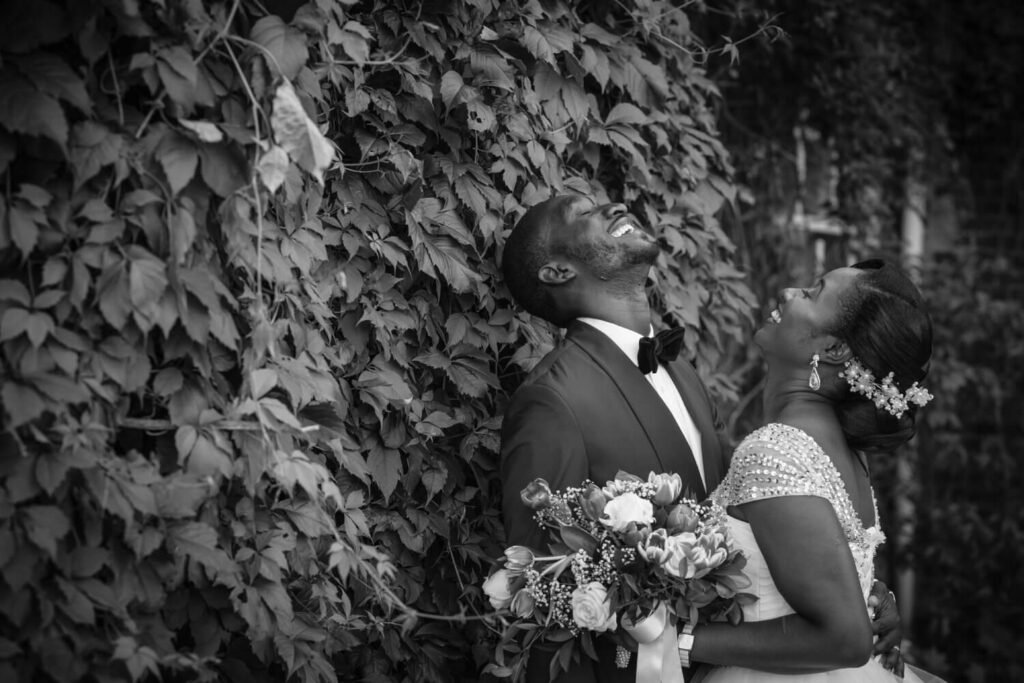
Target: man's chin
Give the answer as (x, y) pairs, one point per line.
(645, 253)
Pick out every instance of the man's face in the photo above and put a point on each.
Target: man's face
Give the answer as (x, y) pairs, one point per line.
(604, 239)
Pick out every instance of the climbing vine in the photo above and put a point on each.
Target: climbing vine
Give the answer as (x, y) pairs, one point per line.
(254, 347)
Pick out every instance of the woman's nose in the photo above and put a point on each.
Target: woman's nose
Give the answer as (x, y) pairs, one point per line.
(787, 294)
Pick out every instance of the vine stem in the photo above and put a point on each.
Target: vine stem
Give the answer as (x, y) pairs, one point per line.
(157, 425)
(220, 35)
(158, 102)
(117, 88)
(253, 180)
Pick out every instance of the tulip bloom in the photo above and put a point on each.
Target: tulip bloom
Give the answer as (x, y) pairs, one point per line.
(518, 558)
(669, 486)
(682, 518)
(537, 494)
(593, 501)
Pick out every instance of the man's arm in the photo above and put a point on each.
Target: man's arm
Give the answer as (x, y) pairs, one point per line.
(539, 438)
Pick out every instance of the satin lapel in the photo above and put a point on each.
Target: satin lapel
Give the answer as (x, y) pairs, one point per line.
(688, 383)
(650, 411)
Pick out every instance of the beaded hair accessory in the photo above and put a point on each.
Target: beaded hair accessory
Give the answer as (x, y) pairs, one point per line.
(885, 395)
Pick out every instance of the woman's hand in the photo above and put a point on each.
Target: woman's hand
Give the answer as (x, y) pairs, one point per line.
(887, 626)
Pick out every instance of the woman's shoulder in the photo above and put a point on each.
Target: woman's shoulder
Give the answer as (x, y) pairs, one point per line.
(786, 440)
(773, 461)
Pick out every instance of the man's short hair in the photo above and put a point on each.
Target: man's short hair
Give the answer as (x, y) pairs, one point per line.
(526, 250)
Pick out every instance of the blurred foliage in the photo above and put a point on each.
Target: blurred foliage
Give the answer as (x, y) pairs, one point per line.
(253, 344)
(970, 534)
(901, 91)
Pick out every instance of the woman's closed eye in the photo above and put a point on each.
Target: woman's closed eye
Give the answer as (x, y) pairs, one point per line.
(811, 292)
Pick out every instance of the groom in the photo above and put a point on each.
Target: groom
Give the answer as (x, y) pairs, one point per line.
(606, 398)
(587, 410)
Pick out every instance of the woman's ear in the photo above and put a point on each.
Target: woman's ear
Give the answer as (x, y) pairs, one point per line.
(556, 273)
(837, 352)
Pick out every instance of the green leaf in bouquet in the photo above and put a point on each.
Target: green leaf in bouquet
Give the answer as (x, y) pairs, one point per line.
(562, 635)
(577, 539)
(587, 643)
(560, 662)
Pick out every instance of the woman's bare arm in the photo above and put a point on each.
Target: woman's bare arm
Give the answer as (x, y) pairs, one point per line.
(810, 562)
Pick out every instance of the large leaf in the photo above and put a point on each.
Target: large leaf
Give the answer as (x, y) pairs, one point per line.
(93, 146)
(198, 542)
(285, 46)
(51, 75)
(21, 403)
(385, 466)
(23, 109)
(178, 157)
(45, 525)
(296, 133)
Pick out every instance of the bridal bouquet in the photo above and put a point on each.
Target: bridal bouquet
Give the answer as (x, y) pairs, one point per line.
(633, 554)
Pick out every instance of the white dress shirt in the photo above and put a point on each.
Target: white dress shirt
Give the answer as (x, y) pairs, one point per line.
(629, 342)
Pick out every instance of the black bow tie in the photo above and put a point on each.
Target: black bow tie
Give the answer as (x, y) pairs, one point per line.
(663, 347)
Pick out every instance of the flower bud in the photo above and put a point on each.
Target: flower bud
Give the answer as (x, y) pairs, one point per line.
(682, 518)
(669, 486)
(593, 501)
(523, 603)
(536, 495)
(632, 534)
(518, 558)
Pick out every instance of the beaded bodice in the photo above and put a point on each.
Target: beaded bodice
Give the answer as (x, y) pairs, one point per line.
(780, 460)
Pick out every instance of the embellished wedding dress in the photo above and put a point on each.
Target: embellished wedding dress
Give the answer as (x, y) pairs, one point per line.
(779, 460)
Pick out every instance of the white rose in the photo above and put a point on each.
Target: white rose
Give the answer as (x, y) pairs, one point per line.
(590, 608)
(497, 588)
(628, 507)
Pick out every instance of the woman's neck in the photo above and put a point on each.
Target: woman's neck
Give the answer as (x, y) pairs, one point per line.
(791, 401)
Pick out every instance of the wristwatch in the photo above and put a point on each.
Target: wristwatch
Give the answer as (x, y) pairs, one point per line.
(685, 643)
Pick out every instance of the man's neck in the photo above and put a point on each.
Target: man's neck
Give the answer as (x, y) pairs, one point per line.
(629, 314)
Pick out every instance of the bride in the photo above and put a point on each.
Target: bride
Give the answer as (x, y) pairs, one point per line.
(844, 359)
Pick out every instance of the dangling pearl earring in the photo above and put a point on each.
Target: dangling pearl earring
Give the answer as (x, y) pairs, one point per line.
(815, 381)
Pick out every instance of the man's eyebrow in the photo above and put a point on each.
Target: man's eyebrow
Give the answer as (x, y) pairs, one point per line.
(574, 202)
(583, 199)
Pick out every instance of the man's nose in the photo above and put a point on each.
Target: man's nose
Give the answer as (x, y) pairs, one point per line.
(787, 294)
(613, 210)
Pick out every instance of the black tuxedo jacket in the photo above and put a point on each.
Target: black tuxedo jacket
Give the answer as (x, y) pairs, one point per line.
(586, 412)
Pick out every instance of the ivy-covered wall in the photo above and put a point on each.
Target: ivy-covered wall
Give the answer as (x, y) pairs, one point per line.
(253, 345)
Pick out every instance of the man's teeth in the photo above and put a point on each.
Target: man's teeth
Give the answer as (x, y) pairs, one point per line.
(776, 316)
(622, 230)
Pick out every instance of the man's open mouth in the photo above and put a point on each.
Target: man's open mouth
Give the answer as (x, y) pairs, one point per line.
(623, 226)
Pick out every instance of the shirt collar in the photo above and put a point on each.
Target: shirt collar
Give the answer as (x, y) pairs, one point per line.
(626, 339)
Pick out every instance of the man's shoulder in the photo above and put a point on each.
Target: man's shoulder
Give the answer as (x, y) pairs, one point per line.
(557, 366)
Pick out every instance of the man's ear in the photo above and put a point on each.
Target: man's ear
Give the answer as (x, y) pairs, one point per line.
(836, 351)
(556, 273)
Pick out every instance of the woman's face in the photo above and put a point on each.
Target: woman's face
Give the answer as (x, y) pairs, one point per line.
(798, 327)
